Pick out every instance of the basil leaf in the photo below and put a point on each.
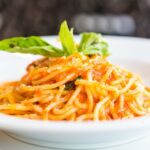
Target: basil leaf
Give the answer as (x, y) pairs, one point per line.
(92, 43)
(31, 45)
(71, 84)
(67, 40)
(22, 42)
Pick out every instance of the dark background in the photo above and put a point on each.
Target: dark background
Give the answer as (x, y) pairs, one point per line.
(43, 17)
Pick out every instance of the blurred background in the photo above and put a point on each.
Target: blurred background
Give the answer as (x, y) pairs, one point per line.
(43, 17)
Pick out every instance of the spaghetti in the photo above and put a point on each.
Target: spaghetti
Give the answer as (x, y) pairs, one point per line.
(75, 88)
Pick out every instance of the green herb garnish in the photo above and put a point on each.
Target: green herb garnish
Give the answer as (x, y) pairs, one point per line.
(32, 45)
(67, 40)
(71, 84)
(91, 43)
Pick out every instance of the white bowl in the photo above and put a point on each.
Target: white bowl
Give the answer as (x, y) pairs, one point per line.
(132, 53)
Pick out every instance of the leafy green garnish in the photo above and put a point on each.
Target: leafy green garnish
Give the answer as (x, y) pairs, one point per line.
(71, 84)
(22, 42)
(91, 43)
(66, 38)
(32, 45)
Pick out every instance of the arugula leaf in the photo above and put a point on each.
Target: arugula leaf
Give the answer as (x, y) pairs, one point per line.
(92, 43)
(66, 38)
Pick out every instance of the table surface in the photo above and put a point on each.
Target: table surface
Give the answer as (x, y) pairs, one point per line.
(9, 143)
